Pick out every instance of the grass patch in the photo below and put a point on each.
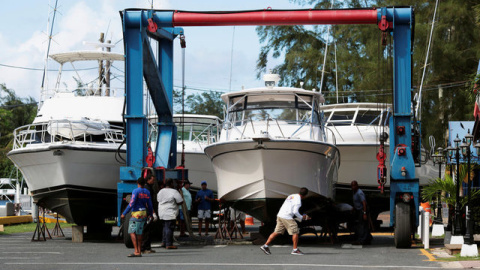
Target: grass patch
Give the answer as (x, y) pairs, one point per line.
(30, 227)
(457, 257)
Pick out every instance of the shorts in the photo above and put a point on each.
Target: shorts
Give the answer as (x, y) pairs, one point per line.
(136, 226)
(286, 224)
(204, 214)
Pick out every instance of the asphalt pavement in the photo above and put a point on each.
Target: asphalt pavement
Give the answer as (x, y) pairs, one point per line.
(18, 252)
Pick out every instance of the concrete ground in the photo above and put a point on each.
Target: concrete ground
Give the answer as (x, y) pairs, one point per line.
(18, 252)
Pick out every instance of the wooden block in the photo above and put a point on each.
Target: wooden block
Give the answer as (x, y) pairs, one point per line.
(2, 229)
(453, 249)
(77, 234)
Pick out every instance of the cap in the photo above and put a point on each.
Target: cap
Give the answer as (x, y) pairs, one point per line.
(204, 182)
(186, 181)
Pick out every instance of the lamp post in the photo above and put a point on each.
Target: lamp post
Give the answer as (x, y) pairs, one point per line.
(450, 151)
(439, 158)
(457, 222)
(466, 152)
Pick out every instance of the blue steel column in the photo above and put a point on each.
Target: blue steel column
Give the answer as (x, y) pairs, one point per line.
(136, 122)
(139, 64)
(167, 139)
(402, 19)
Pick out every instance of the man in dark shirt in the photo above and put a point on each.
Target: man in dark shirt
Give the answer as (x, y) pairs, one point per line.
(141, 206)
(362, 230)
(204, 200)
(153, 188)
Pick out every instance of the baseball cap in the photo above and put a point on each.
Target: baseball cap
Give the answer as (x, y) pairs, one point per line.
(204, 183)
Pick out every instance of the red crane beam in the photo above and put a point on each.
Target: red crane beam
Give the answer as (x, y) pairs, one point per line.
(276, 17)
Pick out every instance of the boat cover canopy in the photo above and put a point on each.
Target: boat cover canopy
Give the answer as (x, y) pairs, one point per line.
(86, 56)
(265, 92)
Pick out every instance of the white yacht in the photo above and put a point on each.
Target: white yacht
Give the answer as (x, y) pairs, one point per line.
(357, 128)
(273, 143)
(70, 154)
(194, 132)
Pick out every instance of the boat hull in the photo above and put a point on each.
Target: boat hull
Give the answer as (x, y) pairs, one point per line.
(77, 181)
(359, 163)
(256, 177)
(199, 169)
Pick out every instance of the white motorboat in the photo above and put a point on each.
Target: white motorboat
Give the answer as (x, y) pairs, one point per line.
(273, 143)
(357, 128)
(69, 155)
(194, 132)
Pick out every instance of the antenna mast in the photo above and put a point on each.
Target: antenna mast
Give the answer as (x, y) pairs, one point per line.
(44, 92)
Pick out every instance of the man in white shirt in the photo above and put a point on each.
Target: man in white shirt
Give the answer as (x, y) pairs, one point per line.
(286, 221)
(168, 201)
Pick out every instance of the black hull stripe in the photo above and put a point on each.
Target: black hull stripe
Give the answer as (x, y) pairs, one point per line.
(64, 147)
(73, 187)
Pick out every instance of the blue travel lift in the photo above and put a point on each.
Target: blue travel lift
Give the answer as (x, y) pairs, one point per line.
(163, 26)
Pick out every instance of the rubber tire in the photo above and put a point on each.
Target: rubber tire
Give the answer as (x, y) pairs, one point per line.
(127, 240)
(403, 226)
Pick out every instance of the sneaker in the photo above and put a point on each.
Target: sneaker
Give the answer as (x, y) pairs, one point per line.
(265, 249)
(297, 252)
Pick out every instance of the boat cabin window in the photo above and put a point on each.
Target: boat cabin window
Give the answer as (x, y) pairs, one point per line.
(368, 117)
(238, 103)
(289, 108)
(341, 118)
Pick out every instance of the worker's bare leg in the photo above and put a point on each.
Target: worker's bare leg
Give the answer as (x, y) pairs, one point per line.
(136, 246)
(271, 238)
(200, 222)
(295, 240)
(206, 226)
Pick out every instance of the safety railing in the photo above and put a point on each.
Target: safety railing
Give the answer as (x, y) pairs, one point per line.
(279, 129)
(56, 131)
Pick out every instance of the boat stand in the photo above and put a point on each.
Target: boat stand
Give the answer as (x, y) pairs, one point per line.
(39, 233)
(57, 231)
(233, 232)
(222, 231)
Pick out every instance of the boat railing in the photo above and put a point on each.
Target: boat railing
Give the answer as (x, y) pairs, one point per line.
(48, 132)
(208, 135)
(365, 131)
(330, 136)
(282, 129)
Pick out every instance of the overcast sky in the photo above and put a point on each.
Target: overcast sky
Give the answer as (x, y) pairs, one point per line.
(23, 40)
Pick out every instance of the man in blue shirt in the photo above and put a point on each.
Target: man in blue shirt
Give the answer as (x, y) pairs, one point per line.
(142, 208)
(204, 200)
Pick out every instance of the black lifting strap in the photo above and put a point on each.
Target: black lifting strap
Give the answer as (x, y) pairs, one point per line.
(183, 44)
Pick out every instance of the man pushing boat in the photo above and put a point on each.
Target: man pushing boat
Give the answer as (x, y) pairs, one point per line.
(286, 221)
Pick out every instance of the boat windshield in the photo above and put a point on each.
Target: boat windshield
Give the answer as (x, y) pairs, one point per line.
(203, 130)
(360, 117)
(198, 132)
(290, 108)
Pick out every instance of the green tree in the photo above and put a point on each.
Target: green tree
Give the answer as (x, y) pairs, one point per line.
(364, 65)
(14, 112)
(209, 103)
